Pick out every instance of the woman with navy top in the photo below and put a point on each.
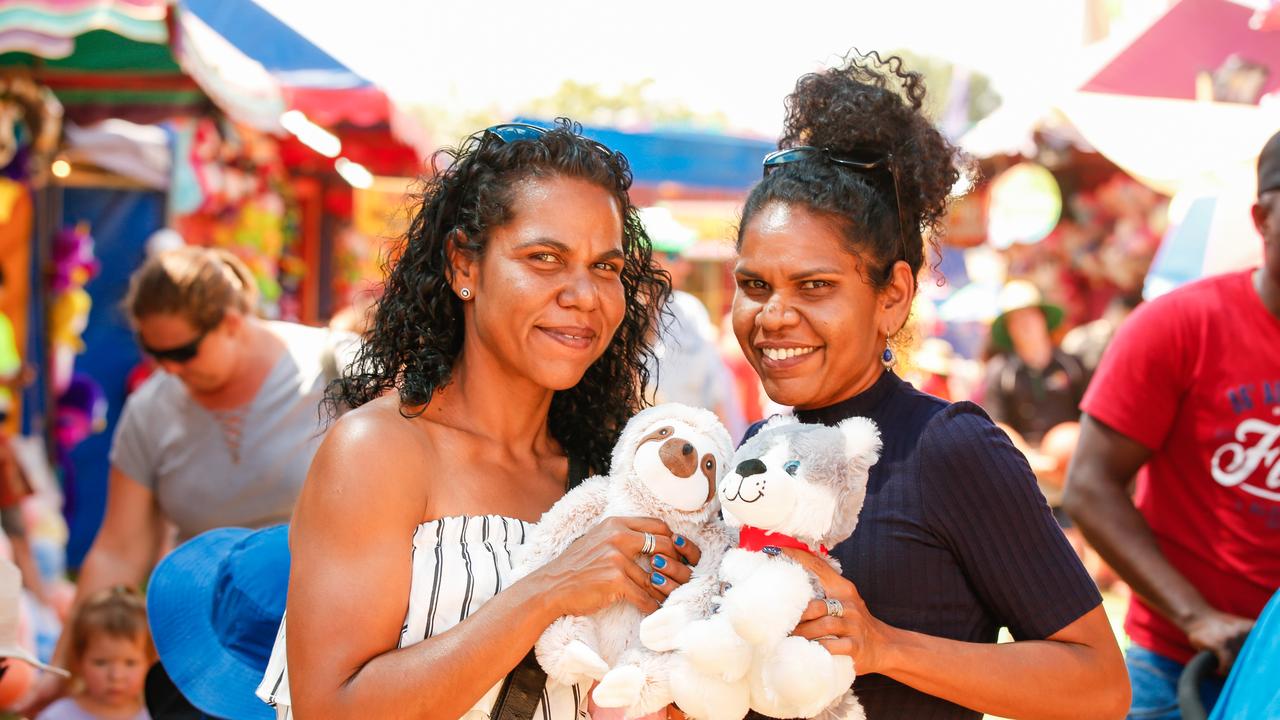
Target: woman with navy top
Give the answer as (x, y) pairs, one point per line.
(505, 355)
(954, 541)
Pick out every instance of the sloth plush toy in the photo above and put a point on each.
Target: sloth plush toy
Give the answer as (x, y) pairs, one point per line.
(666, 464)
(791, 485)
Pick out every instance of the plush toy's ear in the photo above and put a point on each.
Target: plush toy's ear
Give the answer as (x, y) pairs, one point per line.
(861, 451)
(778, 421)
(861, 442)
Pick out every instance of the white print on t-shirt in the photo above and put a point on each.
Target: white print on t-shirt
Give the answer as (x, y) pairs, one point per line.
(1233, 463)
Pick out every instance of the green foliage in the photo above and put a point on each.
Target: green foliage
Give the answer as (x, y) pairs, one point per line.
(630, 104)
(941, 79)
(449, 127)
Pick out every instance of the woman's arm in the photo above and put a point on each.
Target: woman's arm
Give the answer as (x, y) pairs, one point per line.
(123, 553)
(126, 546)
(351, 575)
(1077, 673)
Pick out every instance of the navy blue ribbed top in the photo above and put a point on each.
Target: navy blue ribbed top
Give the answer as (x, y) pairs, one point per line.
(955, 539)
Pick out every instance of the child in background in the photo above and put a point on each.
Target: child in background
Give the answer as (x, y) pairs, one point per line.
(110, 654)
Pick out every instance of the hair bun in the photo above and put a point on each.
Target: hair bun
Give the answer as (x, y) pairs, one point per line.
(873, 103)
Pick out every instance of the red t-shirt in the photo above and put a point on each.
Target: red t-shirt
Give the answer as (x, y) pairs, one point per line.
(1195, 377)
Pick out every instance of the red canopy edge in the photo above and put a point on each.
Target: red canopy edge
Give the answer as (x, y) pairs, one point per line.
(1194, 36)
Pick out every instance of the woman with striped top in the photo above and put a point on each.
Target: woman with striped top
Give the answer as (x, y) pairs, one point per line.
(505, 356)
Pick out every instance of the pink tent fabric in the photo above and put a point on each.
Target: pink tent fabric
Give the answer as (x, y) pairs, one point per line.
(1193, 36)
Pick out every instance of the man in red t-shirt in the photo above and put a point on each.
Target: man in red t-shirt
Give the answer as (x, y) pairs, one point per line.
(1187, 398)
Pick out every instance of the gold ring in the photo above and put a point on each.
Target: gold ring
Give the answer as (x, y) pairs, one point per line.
(835, 608)
(650, 544)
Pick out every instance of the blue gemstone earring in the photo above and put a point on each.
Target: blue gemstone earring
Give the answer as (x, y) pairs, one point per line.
(887, 358)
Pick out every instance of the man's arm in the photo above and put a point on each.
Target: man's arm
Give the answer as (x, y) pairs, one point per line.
(1097, 499)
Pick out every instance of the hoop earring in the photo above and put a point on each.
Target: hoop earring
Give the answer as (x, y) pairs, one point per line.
(465, 293)
(887, 358)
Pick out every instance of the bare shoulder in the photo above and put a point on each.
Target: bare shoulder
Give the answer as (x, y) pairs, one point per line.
(351, 544)
(377, 425)
(370, 466)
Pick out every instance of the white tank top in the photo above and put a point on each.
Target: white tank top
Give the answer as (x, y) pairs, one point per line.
(459, 562)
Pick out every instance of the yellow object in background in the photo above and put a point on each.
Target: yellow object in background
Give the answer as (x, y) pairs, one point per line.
(68, 317)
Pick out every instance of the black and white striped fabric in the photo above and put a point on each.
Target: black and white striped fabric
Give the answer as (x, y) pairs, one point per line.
(458, 564)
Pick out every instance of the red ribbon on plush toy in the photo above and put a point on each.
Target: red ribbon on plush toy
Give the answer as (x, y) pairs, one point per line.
(756, 539)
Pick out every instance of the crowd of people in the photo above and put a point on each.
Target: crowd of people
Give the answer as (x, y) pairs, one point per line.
(376, 489)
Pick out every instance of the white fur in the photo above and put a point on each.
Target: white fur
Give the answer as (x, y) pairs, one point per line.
(708, 698)
(741, 652)
(606, 646)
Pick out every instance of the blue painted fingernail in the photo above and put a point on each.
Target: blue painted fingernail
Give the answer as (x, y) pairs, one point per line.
(659, 562)
(771, 550)
(658, 579)
(679, 541)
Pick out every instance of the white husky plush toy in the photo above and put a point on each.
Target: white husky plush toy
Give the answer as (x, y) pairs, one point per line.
(791, 485)
(666, 464)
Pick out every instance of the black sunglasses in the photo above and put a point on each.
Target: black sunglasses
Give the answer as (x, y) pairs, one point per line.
(181, 354)
(862, 161)
(515, 132)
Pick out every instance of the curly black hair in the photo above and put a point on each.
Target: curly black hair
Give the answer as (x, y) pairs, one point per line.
(417, 329)
(868, 105)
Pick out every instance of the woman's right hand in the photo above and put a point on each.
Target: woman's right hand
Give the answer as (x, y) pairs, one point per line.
(605, 566)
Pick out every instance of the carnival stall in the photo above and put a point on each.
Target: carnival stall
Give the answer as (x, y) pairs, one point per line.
(1185, 107)
(170, 124)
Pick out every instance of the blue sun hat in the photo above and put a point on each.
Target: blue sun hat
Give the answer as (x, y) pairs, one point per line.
(215, 605)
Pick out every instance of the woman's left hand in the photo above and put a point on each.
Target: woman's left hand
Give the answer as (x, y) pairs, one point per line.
(856, 633)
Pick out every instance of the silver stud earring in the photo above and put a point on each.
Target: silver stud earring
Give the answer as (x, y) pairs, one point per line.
(887, 358)
(465, 293)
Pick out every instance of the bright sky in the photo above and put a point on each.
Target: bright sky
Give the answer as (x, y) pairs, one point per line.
(740, 58)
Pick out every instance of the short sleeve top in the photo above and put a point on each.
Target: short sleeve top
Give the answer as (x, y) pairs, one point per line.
(204, 479)
(68, 709)
(1192, 376)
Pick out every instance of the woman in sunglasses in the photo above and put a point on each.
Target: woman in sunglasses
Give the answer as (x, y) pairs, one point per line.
(505, 356)
(954, 541)
(223, 434)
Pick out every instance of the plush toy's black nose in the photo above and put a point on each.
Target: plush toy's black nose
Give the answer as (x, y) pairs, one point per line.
(687, 448)
(751, 467)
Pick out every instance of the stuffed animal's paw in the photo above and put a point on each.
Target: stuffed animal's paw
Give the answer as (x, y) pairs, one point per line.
(768, 607)
(578, 663)
(805, 678)
(620, 687)
(660, 631)
(706, 697)
(846, 707)
(713, 648)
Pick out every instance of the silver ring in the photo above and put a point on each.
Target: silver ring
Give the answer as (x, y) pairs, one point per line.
(835, 608)
(650, 544)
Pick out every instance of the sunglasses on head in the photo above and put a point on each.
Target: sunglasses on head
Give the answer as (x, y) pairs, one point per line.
(515, 132)
(862, 161)
(180, 354)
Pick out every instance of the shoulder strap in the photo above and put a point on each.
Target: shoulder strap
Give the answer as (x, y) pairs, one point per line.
(521, 691)
(522, 688)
